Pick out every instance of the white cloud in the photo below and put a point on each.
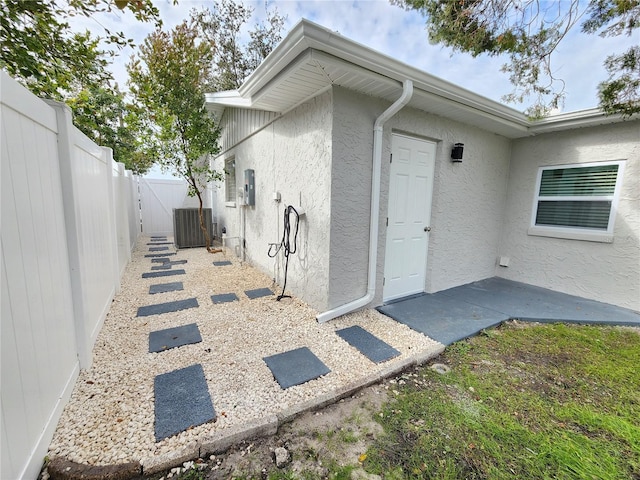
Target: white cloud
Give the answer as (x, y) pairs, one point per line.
(402, 35)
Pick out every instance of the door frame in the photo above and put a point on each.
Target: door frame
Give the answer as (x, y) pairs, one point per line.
(394, 135)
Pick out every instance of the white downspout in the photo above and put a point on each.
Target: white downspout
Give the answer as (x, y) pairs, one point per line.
(378, 126)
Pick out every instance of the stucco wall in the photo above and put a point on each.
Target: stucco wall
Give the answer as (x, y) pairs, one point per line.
(291, 156)
(609, 272)
(468, 197)
(352, 143)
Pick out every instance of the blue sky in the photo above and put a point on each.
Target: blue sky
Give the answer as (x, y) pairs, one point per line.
(402, 35)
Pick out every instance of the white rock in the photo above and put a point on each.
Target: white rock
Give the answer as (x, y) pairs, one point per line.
(440, 368)
(281, 456)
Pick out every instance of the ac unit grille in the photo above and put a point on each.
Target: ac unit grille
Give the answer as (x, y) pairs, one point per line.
(186, 227)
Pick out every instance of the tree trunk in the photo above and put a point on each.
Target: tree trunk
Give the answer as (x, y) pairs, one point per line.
(203, 225)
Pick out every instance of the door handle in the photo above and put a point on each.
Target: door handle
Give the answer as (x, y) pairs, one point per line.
(427, 229)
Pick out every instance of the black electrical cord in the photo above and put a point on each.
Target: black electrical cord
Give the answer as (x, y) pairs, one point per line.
(285, 244)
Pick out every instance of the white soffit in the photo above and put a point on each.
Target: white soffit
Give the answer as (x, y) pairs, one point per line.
(312, 58)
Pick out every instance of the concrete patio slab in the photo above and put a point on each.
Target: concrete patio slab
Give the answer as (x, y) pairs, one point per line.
(528, 302)
(461, 312)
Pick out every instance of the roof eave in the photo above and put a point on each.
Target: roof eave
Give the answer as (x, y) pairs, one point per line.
(579, 119)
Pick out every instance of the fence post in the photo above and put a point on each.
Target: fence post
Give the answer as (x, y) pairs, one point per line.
(112, 223)
(134, 210)
(69, 193)
(125, 198)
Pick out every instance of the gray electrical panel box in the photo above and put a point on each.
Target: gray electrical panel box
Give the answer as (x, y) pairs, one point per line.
(249, 187)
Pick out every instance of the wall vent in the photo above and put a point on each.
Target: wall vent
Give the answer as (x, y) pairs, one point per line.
(186, 227)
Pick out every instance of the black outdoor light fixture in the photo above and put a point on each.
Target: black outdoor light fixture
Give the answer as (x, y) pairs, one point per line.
(456, 152)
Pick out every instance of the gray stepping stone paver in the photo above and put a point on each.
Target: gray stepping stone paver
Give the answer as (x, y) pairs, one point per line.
(258, 292)
(160, 260)
(165, 273)
(182, 400)
(165, 287)
(369, 345)
(177, 262)
(158, 237)
(158, 249)
(224, 298)
(167, 307)
(159, 255)
(162, 340)
(164, 266)
(295, 367)
(222, 263)
(160, 243)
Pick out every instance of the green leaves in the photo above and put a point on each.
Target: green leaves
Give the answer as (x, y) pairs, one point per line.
(39, 49)
(168, 79)
(222, 26)
(619, 93)
(528, 33)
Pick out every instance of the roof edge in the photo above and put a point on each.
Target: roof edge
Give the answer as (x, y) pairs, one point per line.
(577, 119)
(307, 35)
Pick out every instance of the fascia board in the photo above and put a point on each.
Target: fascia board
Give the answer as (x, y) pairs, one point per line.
(308, 35)
(579, 119)
(229, 98)
(424, 88)
(358, 54)
(287, 50)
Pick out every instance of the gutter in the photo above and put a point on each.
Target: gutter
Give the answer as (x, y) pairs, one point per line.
(378, 127)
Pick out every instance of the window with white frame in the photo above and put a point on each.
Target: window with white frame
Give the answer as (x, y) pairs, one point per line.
(577, 201)
(230, 180)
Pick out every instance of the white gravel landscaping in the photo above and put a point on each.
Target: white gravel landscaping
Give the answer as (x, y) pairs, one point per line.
(110, 417)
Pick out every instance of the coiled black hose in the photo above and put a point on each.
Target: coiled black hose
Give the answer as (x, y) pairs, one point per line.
(285, 245)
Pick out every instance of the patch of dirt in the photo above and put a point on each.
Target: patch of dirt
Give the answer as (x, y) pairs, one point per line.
(334, 436)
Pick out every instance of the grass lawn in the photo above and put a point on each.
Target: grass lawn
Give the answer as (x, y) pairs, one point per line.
(520, 401)
(523, 401)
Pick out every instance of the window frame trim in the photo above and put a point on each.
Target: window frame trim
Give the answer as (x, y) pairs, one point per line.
(577, 233)
(230, 203)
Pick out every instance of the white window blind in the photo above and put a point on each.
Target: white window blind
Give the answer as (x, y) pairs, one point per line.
(579, 197)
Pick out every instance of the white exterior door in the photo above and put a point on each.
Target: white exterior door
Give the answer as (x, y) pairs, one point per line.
(408, 227)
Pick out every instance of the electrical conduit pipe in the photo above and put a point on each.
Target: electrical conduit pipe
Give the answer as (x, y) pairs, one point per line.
(378, 126)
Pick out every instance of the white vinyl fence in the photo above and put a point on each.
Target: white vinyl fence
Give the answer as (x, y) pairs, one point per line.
(70, 217)
(158, 198)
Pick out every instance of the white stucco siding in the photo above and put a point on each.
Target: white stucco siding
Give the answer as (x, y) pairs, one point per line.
(291, 156)
(468, 197)
(608, 272)
(352, 143)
